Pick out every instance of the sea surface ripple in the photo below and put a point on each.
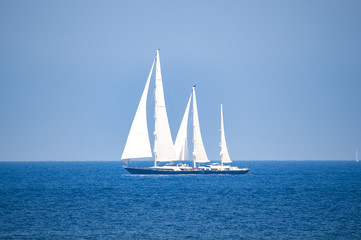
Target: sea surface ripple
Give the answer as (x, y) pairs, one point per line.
(100, 200)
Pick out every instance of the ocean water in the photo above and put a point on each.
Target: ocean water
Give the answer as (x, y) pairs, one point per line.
(99, 200)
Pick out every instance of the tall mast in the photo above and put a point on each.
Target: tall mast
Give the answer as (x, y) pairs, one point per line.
(163, 143)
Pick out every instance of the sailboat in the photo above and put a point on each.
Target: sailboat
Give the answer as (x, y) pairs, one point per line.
(356, 155)
(165, 152)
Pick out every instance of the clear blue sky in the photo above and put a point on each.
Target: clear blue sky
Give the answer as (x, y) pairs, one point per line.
(287, 72)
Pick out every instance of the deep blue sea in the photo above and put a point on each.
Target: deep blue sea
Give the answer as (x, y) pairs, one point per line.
(100, 200)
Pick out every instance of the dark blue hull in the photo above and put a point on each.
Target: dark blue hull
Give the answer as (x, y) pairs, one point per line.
(146, 171)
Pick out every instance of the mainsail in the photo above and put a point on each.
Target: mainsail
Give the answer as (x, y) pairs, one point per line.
(199, 153)
(224, 151)
(137, 145)
(181, 143)
(163, 143)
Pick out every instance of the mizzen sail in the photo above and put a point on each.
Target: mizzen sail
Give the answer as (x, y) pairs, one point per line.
(224, 151)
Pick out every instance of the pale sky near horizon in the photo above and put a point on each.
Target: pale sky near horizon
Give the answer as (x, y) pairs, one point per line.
(288, 74)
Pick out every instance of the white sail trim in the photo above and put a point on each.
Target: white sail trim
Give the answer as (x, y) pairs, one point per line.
(138, 145)
(181, 142)
(199, 152)
(224, 151)
(163, 143)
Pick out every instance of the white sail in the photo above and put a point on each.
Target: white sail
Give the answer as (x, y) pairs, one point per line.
(163, 143)
(137, 145)
(181, 143)
(199, 152)
(224, 151)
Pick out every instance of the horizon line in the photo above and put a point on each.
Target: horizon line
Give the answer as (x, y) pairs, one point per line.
(249, 160)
